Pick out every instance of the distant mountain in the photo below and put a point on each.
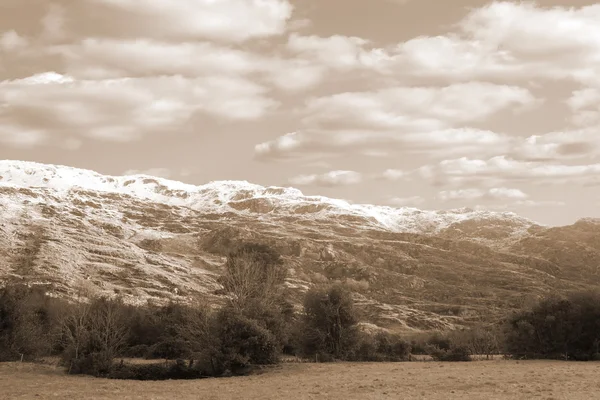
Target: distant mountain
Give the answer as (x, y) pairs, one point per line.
(150, 238)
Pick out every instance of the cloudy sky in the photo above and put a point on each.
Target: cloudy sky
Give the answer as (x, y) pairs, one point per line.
(423, 103)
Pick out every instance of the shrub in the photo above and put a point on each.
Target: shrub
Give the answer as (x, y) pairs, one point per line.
(558, 328)
(93, 334)
(380, 347)
(170, 349)
(155, 372)
(243, 342)
(137, 351)
(29, 322)
(456, 353)
(328, 325)
(93, 363)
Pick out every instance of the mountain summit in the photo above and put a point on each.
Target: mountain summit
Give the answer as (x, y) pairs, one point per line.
(236, 196)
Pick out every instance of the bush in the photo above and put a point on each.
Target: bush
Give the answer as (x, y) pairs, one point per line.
(29, 322)
(329, 323)
(96, 363)
(392, 347)
(137, 351)
(557, 328)
(381, 347)
(93, 334)
(243, 342)
(155, 372)
(169, 350)
(456, 353)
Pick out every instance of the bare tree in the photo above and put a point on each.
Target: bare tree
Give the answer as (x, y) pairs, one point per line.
(253, 273)
(480, 340)
(108, 327)
(76, 328)
(95, 329)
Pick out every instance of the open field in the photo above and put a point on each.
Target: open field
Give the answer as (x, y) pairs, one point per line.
(417, 380)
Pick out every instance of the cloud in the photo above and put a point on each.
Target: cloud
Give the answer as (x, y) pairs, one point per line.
(20, 136)
(585, 105)
(53, 23)
(500, 41)
(510, 40)
(336, 52)
(224, 20)
(11, 41)
(159, 172)
(406, 201)
(329, 179)
(521, 203)
(107, 58)
(465, 171)
(124, 109)
(317, 143)
(478, 194)
(394, 174)
(404, 118)
(414, 108)
(110, 58)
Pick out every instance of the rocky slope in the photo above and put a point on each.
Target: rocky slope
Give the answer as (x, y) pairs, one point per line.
(149, 238)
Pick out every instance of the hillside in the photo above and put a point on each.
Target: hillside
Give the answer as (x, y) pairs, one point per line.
(150, 238)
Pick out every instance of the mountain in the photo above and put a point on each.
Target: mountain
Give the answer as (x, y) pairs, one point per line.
(143, 238)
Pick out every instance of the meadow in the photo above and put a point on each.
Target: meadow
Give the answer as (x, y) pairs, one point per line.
(497, 379)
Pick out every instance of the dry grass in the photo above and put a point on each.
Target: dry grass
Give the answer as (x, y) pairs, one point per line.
(417, 380)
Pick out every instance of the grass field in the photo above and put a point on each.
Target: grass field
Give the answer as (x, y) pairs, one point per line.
(487, 380)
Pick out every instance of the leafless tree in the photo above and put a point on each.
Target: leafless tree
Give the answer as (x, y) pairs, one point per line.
(253, 273)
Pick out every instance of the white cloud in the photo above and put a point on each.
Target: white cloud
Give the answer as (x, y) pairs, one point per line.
(394, 174)
(406, 201)
(337, 52)
(106, 58)
(585, 105)
(12, 41)
(159, 172)
(20, 136)
(414, 108)
(124, 109)
(332, 178)
(502, 40)
(229, 20)
(53, 23)
(511, 40)
(476, 194)
(311, 143)
(521, 203)
(110, 58)
(501, 169)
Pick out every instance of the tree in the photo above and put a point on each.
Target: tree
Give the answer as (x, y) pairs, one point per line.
(479, 340)
(329, 322)
(253, 273)
(557, 327)
(94, 334)
(28, 322)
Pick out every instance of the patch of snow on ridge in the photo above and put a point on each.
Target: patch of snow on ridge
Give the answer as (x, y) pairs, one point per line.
(218, 197)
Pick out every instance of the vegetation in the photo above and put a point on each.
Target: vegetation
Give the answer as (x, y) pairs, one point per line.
(258, 323)
(557, 328)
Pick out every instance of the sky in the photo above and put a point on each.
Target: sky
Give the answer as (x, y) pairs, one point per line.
(407, 103)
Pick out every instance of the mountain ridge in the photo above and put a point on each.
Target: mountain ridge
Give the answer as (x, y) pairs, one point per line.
(409, 269)
(217, 195)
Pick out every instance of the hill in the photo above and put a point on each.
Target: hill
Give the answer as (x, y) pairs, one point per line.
(146, 238)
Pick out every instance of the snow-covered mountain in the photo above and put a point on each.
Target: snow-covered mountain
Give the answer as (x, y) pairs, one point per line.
(238, 196)
(140, 237)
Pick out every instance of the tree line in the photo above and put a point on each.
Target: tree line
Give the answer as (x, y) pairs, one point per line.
(258, 324)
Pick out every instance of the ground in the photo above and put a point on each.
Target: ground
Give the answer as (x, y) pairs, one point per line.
(489, 380)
